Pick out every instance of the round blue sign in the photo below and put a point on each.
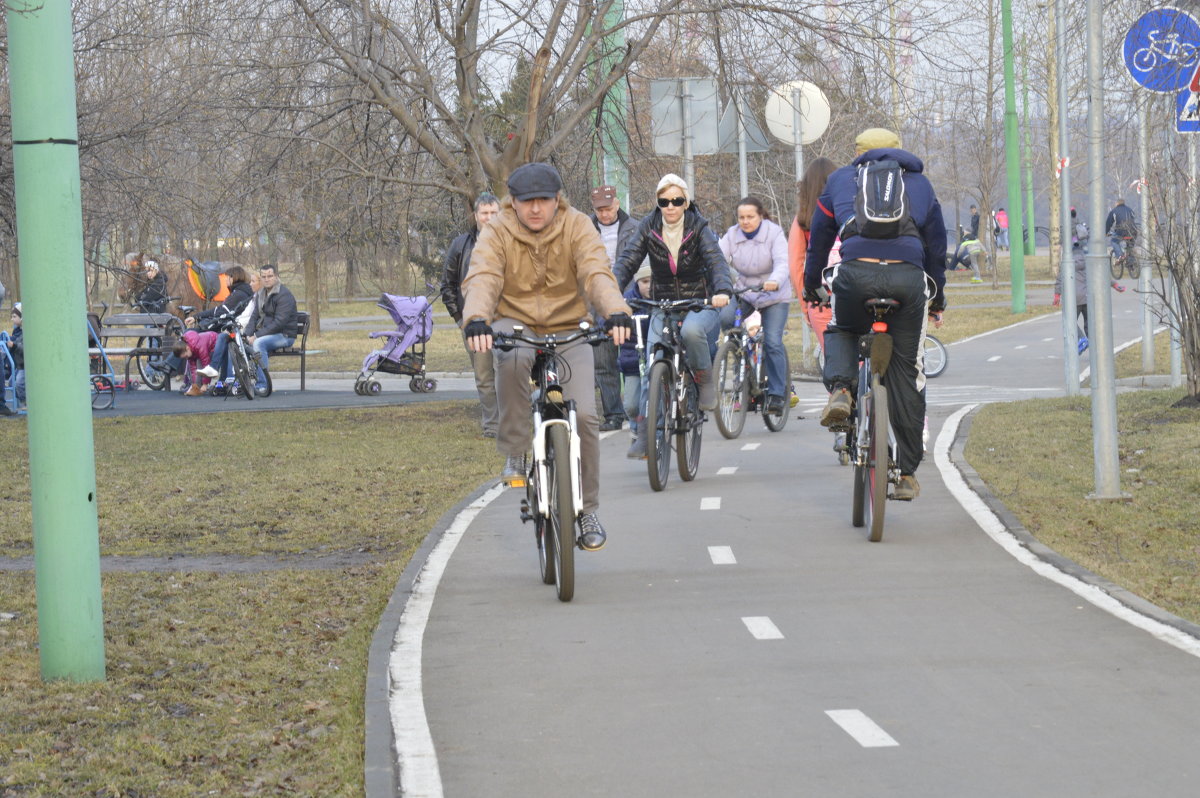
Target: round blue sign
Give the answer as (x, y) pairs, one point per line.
(1162, 49)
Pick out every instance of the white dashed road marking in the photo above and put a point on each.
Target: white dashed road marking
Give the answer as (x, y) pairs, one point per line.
(994, 358)
(1022, 346)
(865, 731)
(710, 503)
(722, 555)
(762, 628)
(726, 471)
(749, 447)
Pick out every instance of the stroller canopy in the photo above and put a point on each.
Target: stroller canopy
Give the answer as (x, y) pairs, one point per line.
(412, 314)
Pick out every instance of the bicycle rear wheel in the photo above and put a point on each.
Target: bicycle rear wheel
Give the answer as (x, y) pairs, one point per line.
(1116, 265)
(157, 380)
(687, 438)
(242, 370)
(936, 357)
(733, 394)
(877, 471)
(658, 423)
(103, 392)
(776, 421)
(858, 441)
(562, 509)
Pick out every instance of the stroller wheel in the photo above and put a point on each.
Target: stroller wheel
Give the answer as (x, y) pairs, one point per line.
(430, 386)
(374, 388)
(358, 387)
(415, 385)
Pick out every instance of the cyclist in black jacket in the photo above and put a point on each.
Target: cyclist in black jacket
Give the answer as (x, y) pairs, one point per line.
(686, 262)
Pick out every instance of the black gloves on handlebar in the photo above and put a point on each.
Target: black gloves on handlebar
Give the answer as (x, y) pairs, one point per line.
(619, 320)
(816, 296)
(477, 327)
(938, 305)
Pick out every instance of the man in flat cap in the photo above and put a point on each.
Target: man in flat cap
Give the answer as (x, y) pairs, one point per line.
(906, 262)
(616, 227)
(541, 264)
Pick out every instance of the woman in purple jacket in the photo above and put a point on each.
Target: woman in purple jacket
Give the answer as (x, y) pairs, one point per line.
(757, 249)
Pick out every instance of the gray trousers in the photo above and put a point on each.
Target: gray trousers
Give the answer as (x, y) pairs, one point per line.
(513, 390)
(608, 380)
(485, 383)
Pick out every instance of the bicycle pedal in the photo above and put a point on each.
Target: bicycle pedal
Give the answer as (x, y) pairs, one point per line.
(515, 482)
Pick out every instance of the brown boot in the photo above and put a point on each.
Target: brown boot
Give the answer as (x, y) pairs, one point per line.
(194, 390)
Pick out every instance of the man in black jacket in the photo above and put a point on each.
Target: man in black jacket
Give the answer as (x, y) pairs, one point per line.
(616, 228)
(454, 271)
(272, 325)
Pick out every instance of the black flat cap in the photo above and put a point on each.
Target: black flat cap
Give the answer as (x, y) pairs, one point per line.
(534, 180)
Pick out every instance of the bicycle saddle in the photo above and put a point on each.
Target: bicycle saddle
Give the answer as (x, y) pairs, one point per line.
(882, 304)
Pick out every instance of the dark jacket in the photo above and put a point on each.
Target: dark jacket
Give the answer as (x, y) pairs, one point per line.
(18, 347)
(239, 297)
(701, 272)
(835, 207)
(274, 313)
(454, 271)
(627, 228)
(153, 298)
(627, 355)
(1120, 222)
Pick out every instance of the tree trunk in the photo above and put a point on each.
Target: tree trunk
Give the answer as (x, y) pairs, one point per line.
(312, 288)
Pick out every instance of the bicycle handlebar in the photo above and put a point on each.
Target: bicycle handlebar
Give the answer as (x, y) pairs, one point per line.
(585, 334)
(669, 305)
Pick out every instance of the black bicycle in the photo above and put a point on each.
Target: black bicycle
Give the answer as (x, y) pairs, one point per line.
(740, 371)
(870, 437)
(673, 399)
(245, 363)
(554, 489)
(1125, 263)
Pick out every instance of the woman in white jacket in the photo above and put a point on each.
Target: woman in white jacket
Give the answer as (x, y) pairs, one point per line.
(756, 248)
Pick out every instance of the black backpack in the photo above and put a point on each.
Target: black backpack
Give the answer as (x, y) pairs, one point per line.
(880, 204)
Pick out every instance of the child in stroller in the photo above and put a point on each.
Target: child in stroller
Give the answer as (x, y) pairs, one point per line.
(405, 350)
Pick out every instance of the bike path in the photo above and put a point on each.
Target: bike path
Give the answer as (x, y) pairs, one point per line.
(663, 678)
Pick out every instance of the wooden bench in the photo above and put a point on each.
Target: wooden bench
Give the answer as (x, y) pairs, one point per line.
(299, 347)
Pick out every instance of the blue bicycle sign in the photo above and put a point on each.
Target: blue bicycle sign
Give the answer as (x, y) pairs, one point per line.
(1162, 49)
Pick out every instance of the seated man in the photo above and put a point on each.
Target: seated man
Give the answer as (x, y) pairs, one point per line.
(272, 325)
(541, 264)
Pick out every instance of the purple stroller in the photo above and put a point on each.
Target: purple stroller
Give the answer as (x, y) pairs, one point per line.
(405, 350)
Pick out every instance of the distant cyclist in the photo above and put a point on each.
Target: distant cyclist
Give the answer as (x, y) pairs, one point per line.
(541, 264)
(1120, 227)
(904, 260)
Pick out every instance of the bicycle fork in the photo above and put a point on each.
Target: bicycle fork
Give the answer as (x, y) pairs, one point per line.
(574, 464)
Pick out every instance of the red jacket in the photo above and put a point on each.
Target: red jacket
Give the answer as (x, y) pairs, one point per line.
(201, 344)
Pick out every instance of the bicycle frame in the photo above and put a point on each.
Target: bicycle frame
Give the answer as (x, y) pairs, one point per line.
(541, 427)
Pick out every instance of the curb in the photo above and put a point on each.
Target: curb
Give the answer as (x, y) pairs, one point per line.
(381, 779)
(1045, 553)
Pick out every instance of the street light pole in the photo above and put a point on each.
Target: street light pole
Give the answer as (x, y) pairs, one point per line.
(1066, 265)
(1012, 159)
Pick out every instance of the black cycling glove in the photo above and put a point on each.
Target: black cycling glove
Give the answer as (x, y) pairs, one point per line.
(816, 296)
(619, 320)
(477, 327)
(938, 305)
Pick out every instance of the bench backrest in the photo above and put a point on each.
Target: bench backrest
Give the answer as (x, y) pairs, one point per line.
(301, 334)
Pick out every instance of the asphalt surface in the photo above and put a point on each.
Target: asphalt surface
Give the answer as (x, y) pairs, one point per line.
(738, 636)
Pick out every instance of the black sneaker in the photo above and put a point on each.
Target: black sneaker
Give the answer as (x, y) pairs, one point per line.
(591, 537)
(775, 405)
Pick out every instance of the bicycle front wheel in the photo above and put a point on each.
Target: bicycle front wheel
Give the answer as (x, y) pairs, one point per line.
(858, 442)
(157, 380)
(1116, 264)
(936, 357)
(877, 471)
(542, 533)
(659, 406)
(562, 509)
(733, 394)
(776, 421)
(689, 428)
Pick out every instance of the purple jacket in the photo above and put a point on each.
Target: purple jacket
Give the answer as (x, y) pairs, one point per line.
(757, 260)
(201, 344)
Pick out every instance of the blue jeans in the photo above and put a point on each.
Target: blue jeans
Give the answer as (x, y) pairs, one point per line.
(699, 332)
(265, 344)
(220, 357)
(774, 319)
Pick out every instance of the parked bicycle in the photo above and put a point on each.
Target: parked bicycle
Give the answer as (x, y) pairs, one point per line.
(740, 372)
(673, 398)
(554, 488)
(245, 364)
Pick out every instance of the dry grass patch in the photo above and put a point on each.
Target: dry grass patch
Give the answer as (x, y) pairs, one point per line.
(1043, 472)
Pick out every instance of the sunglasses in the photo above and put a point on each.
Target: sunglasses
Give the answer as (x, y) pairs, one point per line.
(663, 202)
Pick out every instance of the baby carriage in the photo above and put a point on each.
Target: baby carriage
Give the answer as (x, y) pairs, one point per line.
(405, 350)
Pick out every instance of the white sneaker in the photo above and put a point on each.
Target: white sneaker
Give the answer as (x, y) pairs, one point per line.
(208, 371)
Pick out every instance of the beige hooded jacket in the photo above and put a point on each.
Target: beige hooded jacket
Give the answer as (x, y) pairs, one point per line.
(545, 280)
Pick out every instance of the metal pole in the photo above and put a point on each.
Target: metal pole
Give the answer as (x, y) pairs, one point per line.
(798, 132)
(1066, 265)
(1104, 388)
(685, 97)
(1173, 300)
(62, 474)
(1144, 252)
(1012, 158)
(1031, 222)
(743, 169)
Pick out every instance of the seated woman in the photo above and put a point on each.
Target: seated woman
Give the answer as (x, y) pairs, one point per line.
(219, 367)
(153, 298)
(195, 352)
(240, 294)
(685, 263)
(757, 249)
